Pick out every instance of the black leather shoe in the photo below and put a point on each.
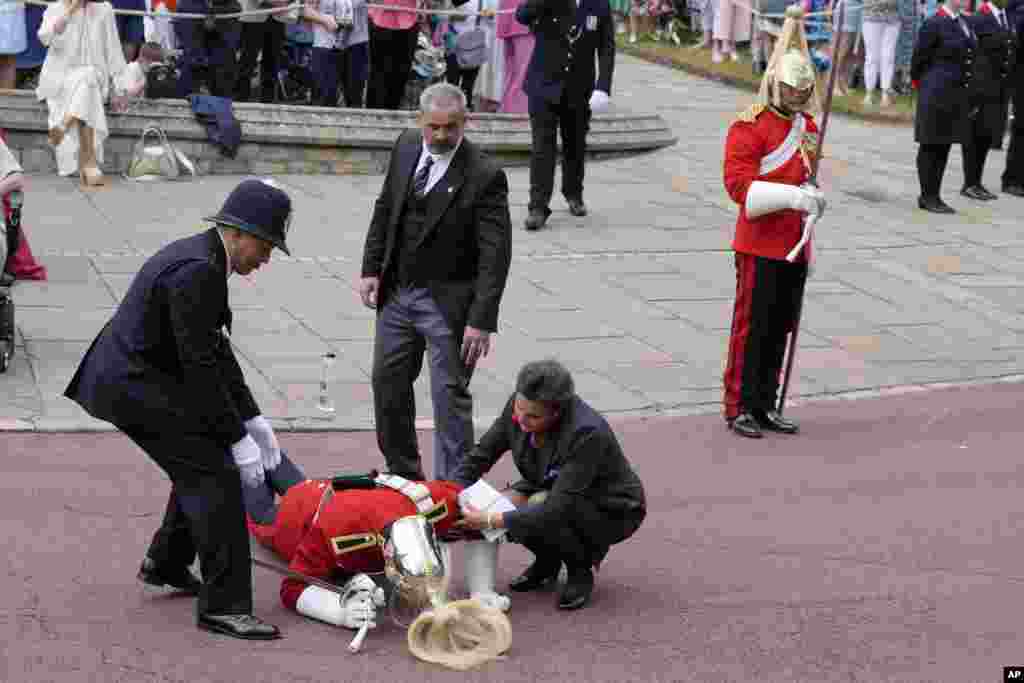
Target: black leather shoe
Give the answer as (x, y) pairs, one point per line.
(541, 572)
(244, 626)
(934, 204)
(535, 221)
(974, 192)
(1015, 190)
(182, 580)
(746, 425)
(578, 588)
(577, 207)
(772, 421)
(989, 195)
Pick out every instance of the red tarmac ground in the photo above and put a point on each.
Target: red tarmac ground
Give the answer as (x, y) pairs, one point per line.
(883, 544)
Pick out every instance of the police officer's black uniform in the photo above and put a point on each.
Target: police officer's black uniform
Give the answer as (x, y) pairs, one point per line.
(942, 68)
(1013, 175)
(559, 82)
(209, 45)
(990, 97)
(163, 373)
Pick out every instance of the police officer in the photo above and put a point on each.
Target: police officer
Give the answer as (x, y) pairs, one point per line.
(1013, 174)
(941, 70)
(163, 372)
(990, 94)
(208, 45)
(562, 92)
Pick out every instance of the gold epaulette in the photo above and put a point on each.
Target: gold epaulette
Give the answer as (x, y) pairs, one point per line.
(749, 114)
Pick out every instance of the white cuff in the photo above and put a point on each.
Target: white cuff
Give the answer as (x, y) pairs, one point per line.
(319, 603)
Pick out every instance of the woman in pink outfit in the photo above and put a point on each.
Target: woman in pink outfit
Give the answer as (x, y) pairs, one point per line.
(393, 37)
(518, 48)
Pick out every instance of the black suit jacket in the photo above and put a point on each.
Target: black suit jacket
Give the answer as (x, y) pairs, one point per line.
(162, 363)
(943, 66)
(557, 63)
(465, 247)
(586, 461)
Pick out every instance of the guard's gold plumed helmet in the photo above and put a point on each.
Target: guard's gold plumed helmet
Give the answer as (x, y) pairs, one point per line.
(790, 63)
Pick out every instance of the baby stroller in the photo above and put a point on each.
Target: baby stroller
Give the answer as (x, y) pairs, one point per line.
(8, 245)
(428, 67)
(295, 74)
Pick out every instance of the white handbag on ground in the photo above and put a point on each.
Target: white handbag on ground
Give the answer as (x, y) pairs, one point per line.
(158, 159)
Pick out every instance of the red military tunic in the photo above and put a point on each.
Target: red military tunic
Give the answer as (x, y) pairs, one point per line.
(343, 537)
(750, 143)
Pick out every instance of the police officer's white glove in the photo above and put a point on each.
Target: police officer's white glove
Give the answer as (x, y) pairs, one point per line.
(246, 454)
(259, 429)
(599, 101)
(814, 200)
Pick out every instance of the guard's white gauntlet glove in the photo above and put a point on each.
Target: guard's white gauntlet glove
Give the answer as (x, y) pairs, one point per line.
(599, 101)
(355, 607)
(246, 454)
(814, 200)
(764, 198)
(259, 429)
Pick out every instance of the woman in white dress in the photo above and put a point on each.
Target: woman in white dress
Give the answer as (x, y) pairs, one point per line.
(84, 57)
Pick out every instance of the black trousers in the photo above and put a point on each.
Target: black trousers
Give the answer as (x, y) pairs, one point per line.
(391, 53)
(975, 151)
(768, 294)
(464, 78)
(205, 514)
(584, 537)
(347, 68)
(547, 118)
(209, 51)
(931, 166)
(260, 41)
(1014, 172)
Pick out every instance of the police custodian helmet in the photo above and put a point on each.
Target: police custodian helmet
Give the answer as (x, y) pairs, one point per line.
(260, 208)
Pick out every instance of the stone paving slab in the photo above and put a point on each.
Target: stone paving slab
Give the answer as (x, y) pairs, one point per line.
(645, 281)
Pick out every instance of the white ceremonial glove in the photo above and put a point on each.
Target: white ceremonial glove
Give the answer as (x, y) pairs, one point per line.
(497, 601)
(599, 101)
(246, 454)
(360, 601)
(259, 429)
(363, 583)
(815, 200)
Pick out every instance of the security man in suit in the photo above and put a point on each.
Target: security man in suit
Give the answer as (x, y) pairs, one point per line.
(941, 70)
(209, 45)
(435, 263)
(562, 92)
(163, 372)
(990, 93)
(1013, 174)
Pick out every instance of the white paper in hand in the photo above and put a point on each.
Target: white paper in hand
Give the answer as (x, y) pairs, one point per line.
(485, 498)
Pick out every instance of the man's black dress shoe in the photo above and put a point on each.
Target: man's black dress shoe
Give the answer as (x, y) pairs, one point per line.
(985, 191)
(1015, 190)
(244, 626)
(183, 580)
(772, 421)
(934, 204)
(578, 588)
(541, 572)
(535, 221)
(577, 207)
(746, 425)
(974, 192)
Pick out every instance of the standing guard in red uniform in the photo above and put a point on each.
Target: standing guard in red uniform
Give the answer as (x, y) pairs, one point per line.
(768, 155)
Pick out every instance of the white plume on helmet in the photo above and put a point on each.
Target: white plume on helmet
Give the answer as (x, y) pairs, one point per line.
(791, 64)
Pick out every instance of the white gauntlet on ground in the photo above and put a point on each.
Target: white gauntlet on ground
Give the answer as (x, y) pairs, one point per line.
(481, 559)
(356, 607)
(261, 432)
(764, 198)
(246, 454)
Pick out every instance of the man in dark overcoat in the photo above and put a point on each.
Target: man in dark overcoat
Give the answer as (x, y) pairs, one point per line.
(1013, 174)
(941, 70)
(563, 90)
(163, 372)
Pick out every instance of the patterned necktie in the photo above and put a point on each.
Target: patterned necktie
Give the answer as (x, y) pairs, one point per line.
(419, 183)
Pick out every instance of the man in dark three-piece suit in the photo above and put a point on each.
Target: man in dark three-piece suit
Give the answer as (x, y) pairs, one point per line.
(563, 89)
(163, 372)
(435, 263)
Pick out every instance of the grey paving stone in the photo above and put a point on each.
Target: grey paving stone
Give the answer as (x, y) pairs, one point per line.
(53, 323)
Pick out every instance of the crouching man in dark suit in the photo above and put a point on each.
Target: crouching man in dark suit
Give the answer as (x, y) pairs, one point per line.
(163, 372)
(436, 259)
(578, 496)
